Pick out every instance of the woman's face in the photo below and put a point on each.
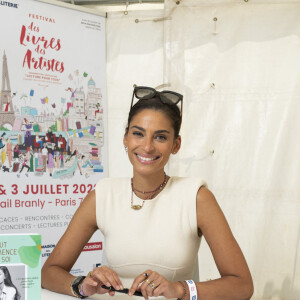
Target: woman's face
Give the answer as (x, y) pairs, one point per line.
(150, 141)
(2, 277)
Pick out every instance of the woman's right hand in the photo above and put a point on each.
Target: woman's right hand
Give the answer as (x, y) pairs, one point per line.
(98, 277)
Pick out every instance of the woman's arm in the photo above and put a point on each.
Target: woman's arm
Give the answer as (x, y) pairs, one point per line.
(235, 282)
(55, 272)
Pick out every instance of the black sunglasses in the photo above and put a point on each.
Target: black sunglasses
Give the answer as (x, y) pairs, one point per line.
(166, 97)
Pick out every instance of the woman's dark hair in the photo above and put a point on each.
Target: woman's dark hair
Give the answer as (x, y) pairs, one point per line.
(170, 110)
(8, 282)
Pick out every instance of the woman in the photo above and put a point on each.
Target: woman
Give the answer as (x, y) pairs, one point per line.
(17, 152)
(61, 143)
(152, 223)
(24, 162)
(36, 158)
(28, 127)
(7, 289)
(57, 157)
(38, 140)
(79, 159)
(1, 143)
(29, 158)
(9, 151)
(62, 159)
(40, 157)
(50, 162)
(3, 156)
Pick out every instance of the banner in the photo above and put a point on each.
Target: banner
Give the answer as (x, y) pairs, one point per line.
(52, 120)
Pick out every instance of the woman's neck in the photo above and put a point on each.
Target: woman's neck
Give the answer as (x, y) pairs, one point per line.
(147, 183)
(1, 285)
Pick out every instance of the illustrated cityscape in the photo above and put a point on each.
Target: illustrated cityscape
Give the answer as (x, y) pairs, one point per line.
(46, 142)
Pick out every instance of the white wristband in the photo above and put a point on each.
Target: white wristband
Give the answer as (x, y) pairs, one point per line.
(192, 289)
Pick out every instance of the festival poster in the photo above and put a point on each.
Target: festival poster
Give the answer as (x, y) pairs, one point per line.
(52, 119)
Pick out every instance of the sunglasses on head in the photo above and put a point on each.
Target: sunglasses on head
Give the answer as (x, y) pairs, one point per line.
(166, 97)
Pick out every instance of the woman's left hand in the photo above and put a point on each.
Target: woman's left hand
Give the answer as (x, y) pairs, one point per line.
(152, 284)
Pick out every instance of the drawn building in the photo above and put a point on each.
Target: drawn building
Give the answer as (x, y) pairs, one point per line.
(7, 115)
(94, 109)
(79, 102)
(49, 120)
(74, 119)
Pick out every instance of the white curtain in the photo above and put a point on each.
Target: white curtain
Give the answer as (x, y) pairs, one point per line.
(134, 56)
(238, 65)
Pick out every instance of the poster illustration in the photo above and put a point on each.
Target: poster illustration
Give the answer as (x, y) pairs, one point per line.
(20, 263)
(52, 118)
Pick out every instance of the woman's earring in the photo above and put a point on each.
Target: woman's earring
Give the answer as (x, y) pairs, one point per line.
(126, 149)
(174, 152)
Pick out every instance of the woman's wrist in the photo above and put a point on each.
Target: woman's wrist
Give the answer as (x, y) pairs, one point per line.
(182, 290)
(192, 289)
(76, 286)
(81, 291)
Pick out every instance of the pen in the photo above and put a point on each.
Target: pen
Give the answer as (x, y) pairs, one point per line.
(124, 291)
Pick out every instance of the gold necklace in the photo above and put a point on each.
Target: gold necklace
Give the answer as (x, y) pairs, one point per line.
(152, 193)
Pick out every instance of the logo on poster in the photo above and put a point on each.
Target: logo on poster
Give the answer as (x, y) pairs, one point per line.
(9, 4)
(47, 250)
(31, 37)
(93, 246)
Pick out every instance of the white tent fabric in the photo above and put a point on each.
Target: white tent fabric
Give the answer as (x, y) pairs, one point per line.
(238, 65)
(134, 56)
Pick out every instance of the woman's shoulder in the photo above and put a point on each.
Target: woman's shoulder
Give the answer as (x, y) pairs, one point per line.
(185, 187)
(10, 290)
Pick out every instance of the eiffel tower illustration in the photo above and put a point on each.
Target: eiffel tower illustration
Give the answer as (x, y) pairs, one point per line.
(7, 115)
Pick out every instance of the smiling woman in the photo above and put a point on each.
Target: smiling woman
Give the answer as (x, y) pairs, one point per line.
(150, 140)
(8, 291)
(152, 223)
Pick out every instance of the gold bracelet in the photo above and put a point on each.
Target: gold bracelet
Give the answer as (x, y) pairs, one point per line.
(89, 274)
(185, 293)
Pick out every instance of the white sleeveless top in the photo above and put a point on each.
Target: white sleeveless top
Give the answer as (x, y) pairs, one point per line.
(162, 236)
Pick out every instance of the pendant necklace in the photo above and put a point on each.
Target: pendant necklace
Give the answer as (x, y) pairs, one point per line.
(151, 193)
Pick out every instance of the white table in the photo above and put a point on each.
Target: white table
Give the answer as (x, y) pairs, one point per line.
(48, 295)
